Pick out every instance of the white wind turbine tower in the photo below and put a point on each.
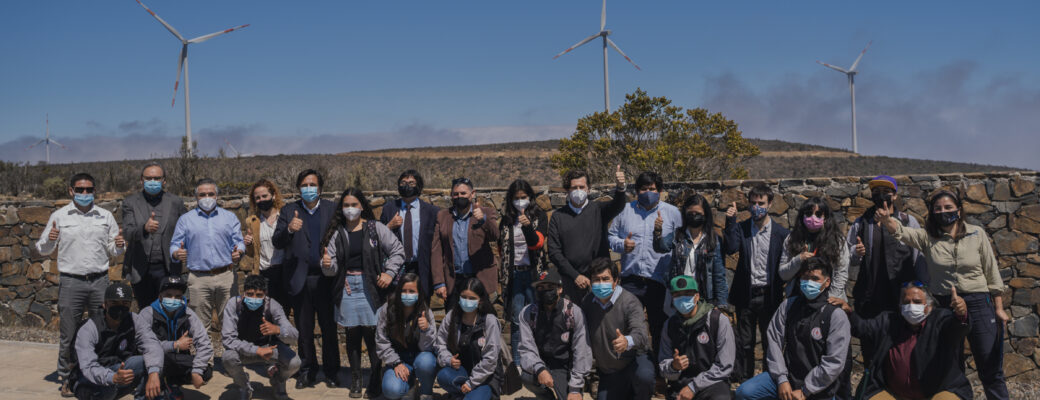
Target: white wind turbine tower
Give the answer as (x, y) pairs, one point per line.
(606, 41)
(851, 73)
(47, 141)
(183, 65)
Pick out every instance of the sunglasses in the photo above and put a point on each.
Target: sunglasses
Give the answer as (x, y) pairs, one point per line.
(917, 284)
(83, 190)
(461, 181)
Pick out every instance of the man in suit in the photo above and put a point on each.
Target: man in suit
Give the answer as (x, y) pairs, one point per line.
(301, 225)
(462, 244)
(149, 218)
(414, 222)
(757, 288)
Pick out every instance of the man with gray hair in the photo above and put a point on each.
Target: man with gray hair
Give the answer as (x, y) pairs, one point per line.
(149, 218)
(208, 240)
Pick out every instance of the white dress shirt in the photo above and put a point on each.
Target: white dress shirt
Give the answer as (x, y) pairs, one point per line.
(86, 240)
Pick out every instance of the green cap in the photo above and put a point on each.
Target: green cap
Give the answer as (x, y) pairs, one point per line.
(683, 282)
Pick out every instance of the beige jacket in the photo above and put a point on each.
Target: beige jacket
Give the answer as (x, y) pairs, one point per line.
(968, 263)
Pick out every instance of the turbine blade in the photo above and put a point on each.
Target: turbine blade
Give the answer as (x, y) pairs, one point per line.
(34, 144)
(168, 27)
(204, 38)
(180, 68)
(588, 39)
(611, 42)
(839, 69)
(603, 16)
(855, 64)
(56, 142)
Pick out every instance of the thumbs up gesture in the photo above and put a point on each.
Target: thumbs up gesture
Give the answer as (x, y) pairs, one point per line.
(423, 323)
(326, 259)
(248, 238)
(120, 242)
(152, 225)
(235, 254)
(629, 243)
(269, 329)
(619, 176)
(620, 343)
(181, 254)
(732, 210)
(478, 213)
(184, 343)
(659, 222)
(680, 362)
(861, 250)
(123, 376)
(957, 303)
(54, 233)
(455, 363)
(395, 222)
(296, 223)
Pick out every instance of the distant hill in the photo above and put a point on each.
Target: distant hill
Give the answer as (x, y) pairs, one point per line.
(489, 165)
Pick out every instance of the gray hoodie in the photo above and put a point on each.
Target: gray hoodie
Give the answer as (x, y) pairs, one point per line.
(485, 369)
(199, 337)
(275, 315)
(581, 354)
(386, 352)
(101, 375)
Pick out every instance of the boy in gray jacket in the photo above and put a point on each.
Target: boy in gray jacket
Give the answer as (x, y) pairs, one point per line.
(179, 330)
(554, 353)
(256, 331)
(697, 347)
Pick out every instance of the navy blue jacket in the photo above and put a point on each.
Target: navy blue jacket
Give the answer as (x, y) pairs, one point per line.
(298, 245)
(427, 226)
(738, 239)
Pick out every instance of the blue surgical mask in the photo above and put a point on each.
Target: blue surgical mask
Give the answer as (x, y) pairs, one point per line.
(309, 193)
(602, 290)
(172, 304)
(468, 305)
(648, 199)
(253, 303)
(83, 199)
(409, 299)
(758, 212)
(152, 187)
(811, 289)
(684, 304)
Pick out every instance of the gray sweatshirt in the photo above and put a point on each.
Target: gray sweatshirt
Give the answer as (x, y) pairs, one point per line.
(386, 352)
(581, 354)
(275, 315)
(101, 375)
(831, 364)
(489, 354)
(623, 312)
(199, 337)
(793, 264)
(725, 348)
(389, 243)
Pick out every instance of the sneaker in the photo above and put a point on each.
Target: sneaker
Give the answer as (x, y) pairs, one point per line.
(66, 389)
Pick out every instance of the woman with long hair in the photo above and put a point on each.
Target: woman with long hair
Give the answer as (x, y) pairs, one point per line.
(469, 343)
(523, 228)
(364, 256)
(696, 250)
(816, 233)
(405, 335)
(265, 202)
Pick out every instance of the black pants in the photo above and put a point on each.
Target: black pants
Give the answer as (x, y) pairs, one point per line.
(367, 334)
(651, 293)
(986, 339)
(276, 286)
(147, 289)
(316, 299)
(718, 391)
(756, 314)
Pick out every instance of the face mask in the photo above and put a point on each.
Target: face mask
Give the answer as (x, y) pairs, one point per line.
(207, 203)
(118, 312)
(813, 223)
(352, 213)
(460, 202)
(468, 305)
(83, 199)
(265, 205)
(758, 212)
(913, 313)
(694, 220)
(944, 218)
(309, 193)
(408, 191)
(253, 303)
(152, 187)
(603, 290)
(811, 289)
(172, 304)
(547, 297)
(684, 304)
(409, 299)
(648, 199)
(880, 199)
(521, 204)
(578, 197)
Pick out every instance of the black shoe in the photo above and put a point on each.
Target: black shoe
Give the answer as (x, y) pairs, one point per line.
(355, 386)
(333, 382)
(303, 382)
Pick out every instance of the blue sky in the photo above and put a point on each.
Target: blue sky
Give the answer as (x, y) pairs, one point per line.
(945, 80)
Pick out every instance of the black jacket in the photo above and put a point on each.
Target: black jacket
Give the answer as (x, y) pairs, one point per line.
(427, 226)
(738, 239)
(298, 245)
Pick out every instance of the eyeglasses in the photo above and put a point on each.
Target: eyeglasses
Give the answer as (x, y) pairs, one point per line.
(917, 284)
(461, 181)
(83, 190)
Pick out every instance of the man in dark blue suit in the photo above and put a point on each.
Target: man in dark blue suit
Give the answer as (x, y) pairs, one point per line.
(414, 222)
(757, 288)
(301, 225)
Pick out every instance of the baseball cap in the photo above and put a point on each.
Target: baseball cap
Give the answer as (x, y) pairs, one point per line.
(548, 276)
(118, 291)
(883, 181)
(683, 282)
(173, 282)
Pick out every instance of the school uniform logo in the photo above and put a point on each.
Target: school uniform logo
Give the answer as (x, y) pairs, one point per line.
(565, 337)
(816, 333)
(481, 341)
(122, 345)
(702, 338)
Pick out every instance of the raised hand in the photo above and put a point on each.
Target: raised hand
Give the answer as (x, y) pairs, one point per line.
(957, 303)
(120, 242)
(296, 223)
(659, 222)
(732, 210)
(680, 362)
(861, 250)
(423, 323)
(619, 176)
(184, 343)
(152, 225)
(545, 379)
(181, 254)
(402, 372)
(265, 352)
(123, 376)
(805, 256)
(55, 232)
(248, 238)
(629, 243)
(269, 329)
(524, 220)
(478, 213)
(395, 222)
(326, 259)
(620, 342)
(384, 280)
(235, 255)
(455, 362)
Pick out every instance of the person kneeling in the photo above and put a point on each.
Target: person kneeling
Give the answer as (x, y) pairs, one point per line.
(115, 352)
(179, 330)
(470, 339)
(554, 353)
(697, 346)
(256, 331)
(808, 343)
(405, 336)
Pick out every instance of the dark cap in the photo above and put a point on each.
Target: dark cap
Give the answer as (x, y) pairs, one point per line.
(119, 291)
(548, 276)
(173, 282)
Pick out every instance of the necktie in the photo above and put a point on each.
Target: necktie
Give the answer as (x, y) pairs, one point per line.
(408, 251)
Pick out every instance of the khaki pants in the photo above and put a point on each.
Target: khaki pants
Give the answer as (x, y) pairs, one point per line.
(884, 395)
(208, 293)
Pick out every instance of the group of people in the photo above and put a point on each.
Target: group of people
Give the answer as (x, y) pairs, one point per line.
(657, 320)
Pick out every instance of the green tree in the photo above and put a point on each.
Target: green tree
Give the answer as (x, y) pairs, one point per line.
(649, 134)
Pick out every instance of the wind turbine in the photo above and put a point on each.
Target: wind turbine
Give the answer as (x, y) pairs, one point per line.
(851, 73)
(606, 41)
(47, 141)
(237, 153)
(183, 65)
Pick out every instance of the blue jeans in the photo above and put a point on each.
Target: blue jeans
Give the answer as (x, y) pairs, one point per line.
(521, 294)
(88, 390)
(451, 381)
(423, 367)
(761, 387)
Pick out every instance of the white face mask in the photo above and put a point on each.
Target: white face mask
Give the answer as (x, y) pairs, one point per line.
(521, 204)
(351, 213)
(207, 203)
(578, 197)
(913, 313)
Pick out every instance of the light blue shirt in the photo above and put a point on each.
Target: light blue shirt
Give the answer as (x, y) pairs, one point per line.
(208, 238)
(460, 235)
(415, 226)
(643, 260)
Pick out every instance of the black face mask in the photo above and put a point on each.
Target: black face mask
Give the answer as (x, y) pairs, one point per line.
(460, 202)
(265, 205)
(118, 312)
(694, 220)
(547, 297)
(880, 199)
(408, 191)
(946, 218)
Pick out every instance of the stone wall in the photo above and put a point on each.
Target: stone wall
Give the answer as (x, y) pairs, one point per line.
(1007, 204)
